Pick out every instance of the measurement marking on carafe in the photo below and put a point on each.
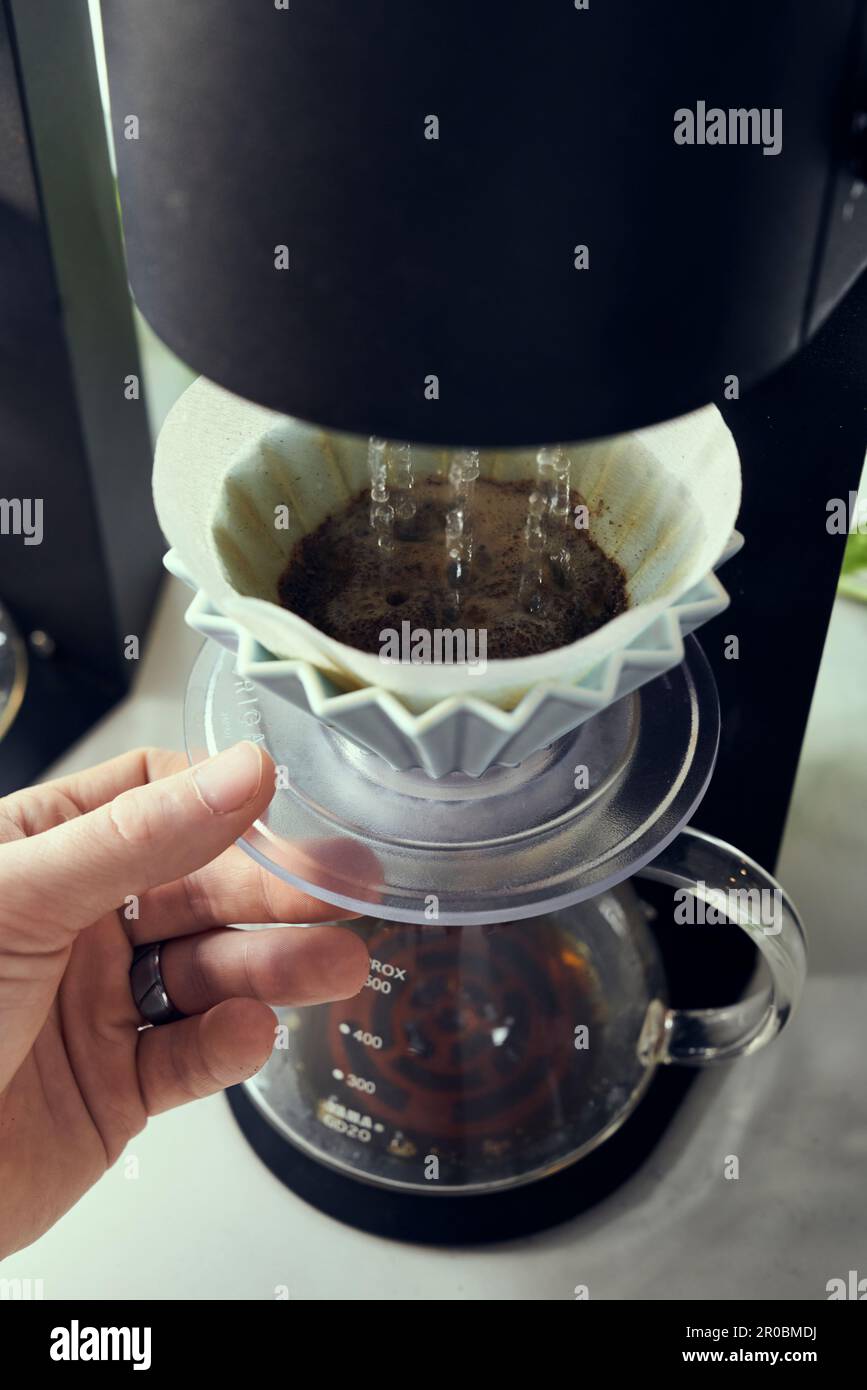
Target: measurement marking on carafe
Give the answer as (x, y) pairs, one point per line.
(382, 973)
(361, 1035)
(357, 1083)
(350, 1123)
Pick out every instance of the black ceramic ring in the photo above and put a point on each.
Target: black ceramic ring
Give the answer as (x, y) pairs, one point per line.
(148, 990)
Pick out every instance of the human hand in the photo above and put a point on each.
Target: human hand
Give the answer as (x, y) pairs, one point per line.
(77, 1076)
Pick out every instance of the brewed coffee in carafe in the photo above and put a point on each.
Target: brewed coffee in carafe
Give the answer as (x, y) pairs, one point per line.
(473, 1057)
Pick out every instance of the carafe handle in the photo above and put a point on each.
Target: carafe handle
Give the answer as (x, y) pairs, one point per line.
(719, 875)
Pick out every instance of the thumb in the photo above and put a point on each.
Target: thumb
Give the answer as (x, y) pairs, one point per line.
(71, 875)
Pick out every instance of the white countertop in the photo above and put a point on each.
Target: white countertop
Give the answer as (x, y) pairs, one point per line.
(205, 1219)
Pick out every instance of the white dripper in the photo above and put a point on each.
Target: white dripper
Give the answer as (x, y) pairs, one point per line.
(662, 502)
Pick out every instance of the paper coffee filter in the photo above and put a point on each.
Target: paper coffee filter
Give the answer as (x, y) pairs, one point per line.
(662, 502)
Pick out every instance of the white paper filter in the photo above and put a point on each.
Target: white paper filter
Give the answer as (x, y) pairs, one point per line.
(662, 501)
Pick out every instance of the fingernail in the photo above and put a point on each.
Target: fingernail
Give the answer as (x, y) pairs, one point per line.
(231, 779)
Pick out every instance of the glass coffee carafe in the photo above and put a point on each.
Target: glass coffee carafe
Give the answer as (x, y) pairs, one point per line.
(477, 1058)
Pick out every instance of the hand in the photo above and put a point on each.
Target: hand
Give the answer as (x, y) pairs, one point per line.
(78, 857)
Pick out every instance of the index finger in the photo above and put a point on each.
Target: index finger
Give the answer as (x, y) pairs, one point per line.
(96, 785)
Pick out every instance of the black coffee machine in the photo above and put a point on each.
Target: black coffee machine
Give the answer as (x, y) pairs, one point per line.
(502, 225)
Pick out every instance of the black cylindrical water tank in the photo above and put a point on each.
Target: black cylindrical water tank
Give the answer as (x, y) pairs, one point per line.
(366, 212)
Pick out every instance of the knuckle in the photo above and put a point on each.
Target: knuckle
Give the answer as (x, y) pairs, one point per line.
(198, 899)
(134, 819)
(11, 827)
(29, 812)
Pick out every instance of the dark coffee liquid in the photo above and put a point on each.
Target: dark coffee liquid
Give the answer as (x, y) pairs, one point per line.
(463, 1045)
(341, 581)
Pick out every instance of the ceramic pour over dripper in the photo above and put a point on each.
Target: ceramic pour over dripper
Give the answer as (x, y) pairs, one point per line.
(662, 503)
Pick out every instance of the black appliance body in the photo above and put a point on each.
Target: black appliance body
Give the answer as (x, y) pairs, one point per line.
(328, 206)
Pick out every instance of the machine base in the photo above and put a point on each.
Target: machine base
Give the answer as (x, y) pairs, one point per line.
(472, 1220)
